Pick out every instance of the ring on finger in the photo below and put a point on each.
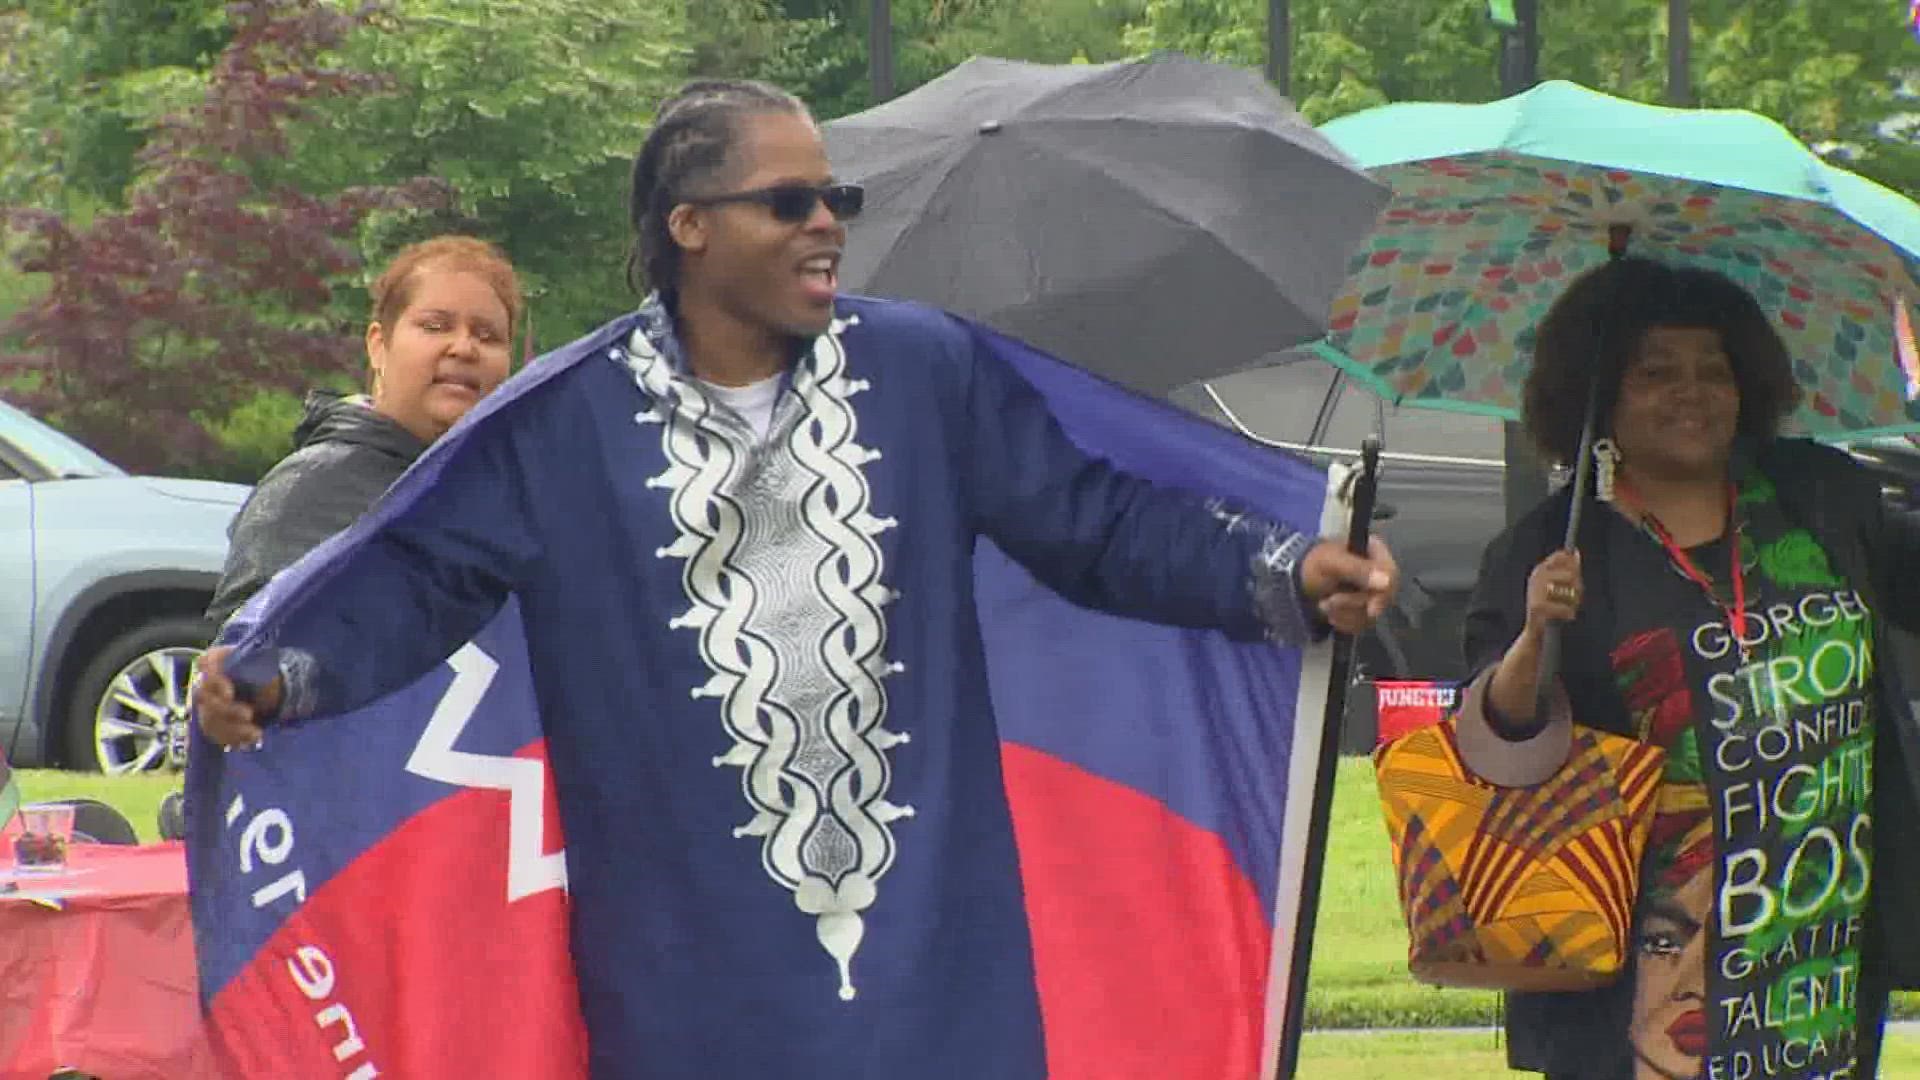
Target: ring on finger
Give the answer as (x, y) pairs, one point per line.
(1565, 594)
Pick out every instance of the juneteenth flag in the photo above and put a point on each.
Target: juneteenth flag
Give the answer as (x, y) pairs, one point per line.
(383, 893)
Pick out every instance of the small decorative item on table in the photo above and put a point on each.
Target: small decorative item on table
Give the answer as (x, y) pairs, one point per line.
(41, 845)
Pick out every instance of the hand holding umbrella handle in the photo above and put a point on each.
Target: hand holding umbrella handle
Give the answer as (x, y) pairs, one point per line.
(1582, 475)
(1550, 637)
(1618, 236)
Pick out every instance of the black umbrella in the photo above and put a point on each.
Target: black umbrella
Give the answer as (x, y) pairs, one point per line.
(1157, 221)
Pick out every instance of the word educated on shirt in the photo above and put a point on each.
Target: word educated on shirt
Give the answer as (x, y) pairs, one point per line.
(1790, 1058)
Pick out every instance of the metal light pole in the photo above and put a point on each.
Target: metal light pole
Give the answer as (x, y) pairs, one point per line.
(1520, 55)
(1279, 46)
(880, 49)
(1524, 482)
(1679, 53)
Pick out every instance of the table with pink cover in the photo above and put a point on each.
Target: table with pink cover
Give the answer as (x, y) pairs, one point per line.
(97, 968)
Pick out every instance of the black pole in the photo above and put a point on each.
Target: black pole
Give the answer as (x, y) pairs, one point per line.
(1679, 53)
(1366, 485)
(1279, 46)
(1520, 49)
(1524, 483)
(1604, 331)
(880, 50)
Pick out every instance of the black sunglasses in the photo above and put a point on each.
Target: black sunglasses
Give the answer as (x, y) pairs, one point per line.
(794, 203)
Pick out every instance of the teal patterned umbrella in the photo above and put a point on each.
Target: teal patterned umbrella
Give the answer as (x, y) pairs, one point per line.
(1497, 207)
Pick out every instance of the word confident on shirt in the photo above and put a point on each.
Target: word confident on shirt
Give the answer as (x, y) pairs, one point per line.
(1841, 779)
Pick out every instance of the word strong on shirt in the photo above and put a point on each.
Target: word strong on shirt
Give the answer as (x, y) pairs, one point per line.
(1772, 688)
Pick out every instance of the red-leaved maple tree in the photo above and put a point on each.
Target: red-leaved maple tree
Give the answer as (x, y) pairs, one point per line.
(218, 279)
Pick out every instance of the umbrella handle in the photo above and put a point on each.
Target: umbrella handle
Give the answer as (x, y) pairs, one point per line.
(1618, 236)
(1549, 672)
(1582, 474)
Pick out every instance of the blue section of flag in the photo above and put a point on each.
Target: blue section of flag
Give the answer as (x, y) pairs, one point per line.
(342, 784)
(1197, 722)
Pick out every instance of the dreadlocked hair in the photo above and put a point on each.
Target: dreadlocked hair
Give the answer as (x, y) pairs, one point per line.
(692, 137)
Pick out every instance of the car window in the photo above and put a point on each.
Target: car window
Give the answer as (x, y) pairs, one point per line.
(50, 449)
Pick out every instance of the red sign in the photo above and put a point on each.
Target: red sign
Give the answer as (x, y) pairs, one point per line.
(1406, 705)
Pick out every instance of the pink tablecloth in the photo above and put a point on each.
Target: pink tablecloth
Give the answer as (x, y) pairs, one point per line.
(97, 968)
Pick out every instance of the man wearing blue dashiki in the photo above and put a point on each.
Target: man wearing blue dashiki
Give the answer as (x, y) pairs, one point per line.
(746, 514)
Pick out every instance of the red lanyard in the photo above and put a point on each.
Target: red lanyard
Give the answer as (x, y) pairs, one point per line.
(1736, 611)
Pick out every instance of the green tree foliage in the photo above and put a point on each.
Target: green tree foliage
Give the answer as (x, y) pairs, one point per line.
(82, 81)
(217, 279)
(818, 48)
(530, 111)
(1833, 72)
(1346, 57)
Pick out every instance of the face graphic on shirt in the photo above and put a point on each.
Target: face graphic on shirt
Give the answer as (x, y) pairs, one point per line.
(1669, 1026)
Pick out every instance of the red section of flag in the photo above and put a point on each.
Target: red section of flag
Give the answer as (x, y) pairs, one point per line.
(1151, 950)
(349, 990)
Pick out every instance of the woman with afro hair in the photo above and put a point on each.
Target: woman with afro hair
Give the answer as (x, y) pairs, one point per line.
(1730, 600)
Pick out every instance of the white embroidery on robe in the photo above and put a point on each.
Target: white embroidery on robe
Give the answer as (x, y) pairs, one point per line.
(783, 573)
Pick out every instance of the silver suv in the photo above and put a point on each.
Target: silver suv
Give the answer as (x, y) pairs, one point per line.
(103, 581)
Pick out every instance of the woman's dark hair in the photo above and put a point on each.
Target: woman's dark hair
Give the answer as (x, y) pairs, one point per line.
(692, 137)
(1634, 295)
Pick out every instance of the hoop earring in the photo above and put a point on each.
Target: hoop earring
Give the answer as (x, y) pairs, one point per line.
(1606, 459)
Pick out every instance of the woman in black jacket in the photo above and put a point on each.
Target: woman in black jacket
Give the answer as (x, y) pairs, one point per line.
(444, 314)
(1729, 601)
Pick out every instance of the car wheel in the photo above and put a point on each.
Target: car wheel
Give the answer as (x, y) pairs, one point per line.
(130, 708)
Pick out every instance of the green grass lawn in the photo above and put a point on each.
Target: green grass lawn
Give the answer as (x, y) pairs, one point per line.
(138, 797)
(1359, 958)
